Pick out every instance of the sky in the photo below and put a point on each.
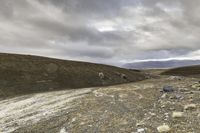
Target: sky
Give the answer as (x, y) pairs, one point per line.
(102, 31)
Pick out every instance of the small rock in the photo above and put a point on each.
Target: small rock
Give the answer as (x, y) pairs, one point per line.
(140, 124)
(178, 96)
(166, 114)
(166, 119)
(152, 114)
(168, 89)
(164, 96)
(141, 130)
(98, 94)
(63, 130)
(183, 89)
(175, 78)
(191, 100)
(196, 86)
(190, 107)
(163, 106)
(163, 129)
(190, 92)
(177, 114)
(191, 96)
(123, 95)
(172, 108)
(73, 119)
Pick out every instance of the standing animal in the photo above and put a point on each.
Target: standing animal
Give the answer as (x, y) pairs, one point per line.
(101, 75)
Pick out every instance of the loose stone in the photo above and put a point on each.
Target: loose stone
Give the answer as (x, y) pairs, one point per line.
(163, 129)
(177, 114)
(168, 89)
(141, 130)
(190, 107)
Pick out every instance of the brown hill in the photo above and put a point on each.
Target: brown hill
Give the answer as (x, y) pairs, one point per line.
(25, 74)
(184, 71)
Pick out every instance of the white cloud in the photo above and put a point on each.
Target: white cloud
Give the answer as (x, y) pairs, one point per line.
(101, 31)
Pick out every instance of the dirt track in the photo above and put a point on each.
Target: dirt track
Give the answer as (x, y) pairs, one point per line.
(123, 108)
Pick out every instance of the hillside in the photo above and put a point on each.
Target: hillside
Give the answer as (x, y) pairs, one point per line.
(24, 74)
(184, 71)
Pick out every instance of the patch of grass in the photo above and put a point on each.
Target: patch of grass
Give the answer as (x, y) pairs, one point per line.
(24, 74)
(183, 71)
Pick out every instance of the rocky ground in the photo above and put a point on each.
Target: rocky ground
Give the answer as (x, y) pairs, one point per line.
(141, 107)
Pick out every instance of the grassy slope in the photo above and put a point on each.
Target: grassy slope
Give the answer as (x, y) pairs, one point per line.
(23, 74)
(184, 71)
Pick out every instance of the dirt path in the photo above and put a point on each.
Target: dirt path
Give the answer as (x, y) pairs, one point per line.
(136, 108)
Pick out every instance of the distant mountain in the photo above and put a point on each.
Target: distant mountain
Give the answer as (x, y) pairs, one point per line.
(161, 64)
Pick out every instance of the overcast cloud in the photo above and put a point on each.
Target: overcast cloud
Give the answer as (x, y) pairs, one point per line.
(103, 31)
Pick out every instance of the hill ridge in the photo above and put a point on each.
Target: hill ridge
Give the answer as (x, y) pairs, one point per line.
(25, 74)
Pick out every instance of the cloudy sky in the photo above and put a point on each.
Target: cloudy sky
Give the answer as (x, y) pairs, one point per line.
(103, 31)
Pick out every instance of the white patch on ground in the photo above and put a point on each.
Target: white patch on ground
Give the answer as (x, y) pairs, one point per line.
(63, 130)
(97, 93)
(26, 110)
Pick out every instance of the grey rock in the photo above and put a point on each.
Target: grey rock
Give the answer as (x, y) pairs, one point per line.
(168, 89)
(177, 96)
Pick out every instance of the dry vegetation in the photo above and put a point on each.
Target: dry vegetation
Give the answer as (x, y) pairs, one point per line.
(184, 71)
(23, 74)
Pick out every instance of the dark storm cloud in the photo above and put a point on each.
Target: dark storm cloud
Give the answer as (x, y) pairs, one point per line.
(106, 31)
(91, 7)
(6, 9)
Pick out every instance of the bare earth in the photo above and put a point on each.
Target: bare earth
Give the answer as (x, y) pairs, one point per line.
(134, 108)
